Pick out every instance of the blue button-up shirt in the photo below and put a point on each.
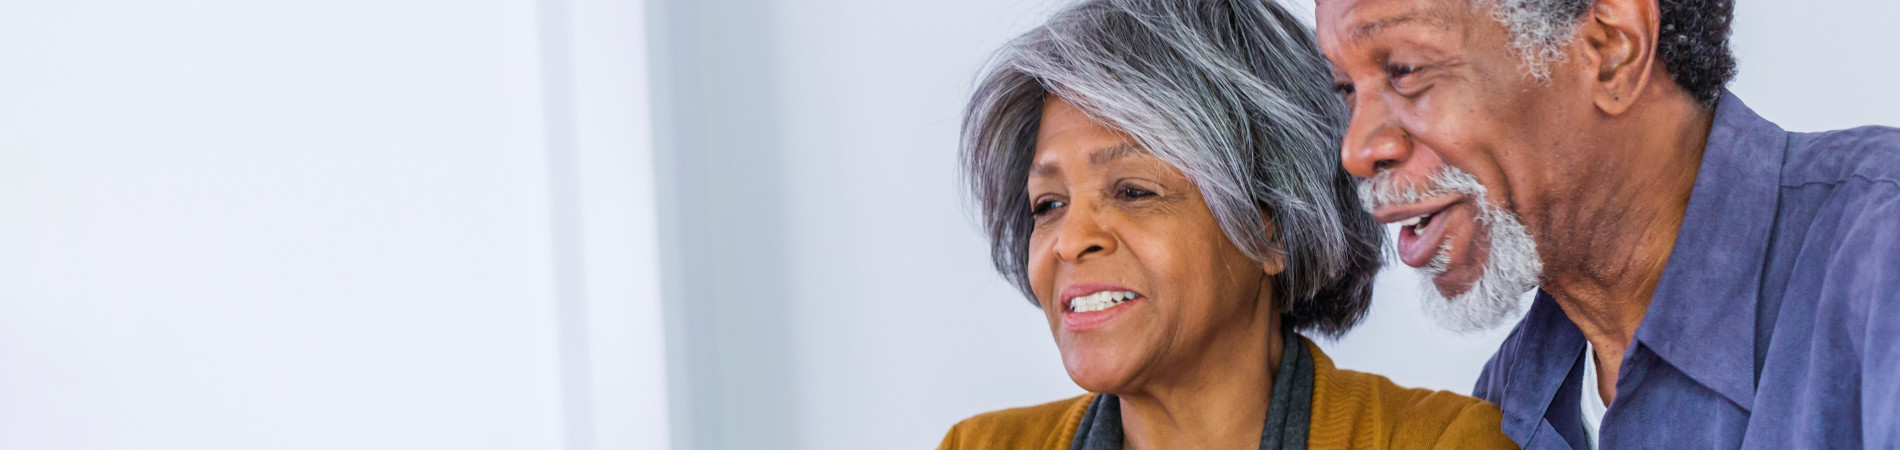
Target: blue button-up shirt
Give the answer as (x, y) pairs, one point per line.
(1776, 323)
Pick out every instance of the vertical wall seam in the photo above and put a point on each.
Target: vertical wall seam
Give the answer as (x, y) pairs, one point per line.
(565, 217)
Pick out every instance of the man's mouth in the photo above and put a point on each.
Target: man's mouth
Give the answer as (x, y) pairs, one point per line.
(1416, 222)
(1421, 229)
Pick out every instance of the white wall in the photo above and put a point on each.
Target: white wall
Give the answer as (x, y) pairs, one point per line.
(901, 326)
(1819, 64)
(884, 323)
(326, 224)
(836, 295)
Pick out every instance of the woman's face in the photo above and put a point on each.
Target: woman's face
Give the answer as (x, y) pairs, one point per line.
(1112, 222)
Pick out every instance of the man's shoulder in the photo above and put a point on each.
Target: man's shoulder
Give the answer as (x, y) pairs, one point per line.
(1841, 196)
(1048, 425)
(1869, 154)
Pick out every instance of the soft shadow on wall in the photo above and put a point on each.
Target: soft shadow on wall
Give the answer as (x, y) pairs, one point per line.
(721, 222)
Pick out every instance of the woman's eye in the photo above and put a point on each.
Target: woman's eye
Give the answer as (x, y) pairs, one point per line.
(1043, 207)
(1342, 88)
(1135, 192)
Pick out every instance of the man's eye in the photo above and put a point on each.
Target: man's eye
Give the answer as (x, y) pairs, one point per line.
(1043, 207)
(1134, 192)
(1397, 71)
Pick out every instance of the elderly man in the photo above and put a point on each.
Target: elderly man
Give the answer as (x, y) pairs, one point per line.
(1714, 280)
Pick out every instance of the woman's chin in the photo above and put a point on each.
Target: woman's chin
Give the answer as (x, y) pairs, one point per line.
(1097, 373)
(1100, 383)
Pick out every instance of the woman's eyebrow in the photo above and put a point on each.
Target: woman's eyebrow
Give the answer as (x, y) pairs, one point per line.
(1105, 155)
(1097, 157)
(1044, 169)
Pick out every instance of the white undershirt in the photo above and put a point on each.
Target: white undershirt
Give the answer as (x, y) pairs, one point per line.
(1592, 401)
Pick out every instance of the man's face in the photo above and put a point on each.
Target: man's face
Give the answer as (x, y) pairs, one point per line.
(1452, 140)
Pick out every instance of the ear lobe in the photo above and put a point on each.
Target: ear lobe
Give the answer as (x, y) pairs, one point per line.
(1274, 264)
(1276, 259)
(1620, 50)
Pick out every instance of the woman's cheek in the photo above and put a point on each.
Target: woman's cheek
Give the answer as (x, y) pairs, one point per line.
(1041, 269)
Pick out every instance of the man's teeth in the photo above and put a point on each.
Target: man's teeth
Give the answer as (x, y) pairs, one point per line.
(1100, 300)
(1413, 222)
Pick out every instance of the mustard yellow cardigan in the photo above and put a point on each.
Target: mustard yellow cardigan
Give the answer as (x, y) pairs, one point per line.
(1351, 410)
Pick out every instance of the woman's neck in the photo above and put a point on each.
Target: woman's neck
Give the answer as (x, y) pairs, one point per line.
(1217, 401)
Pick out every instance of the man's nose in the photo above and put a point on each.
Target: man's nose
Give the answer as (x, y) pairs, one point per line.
(1373, 142)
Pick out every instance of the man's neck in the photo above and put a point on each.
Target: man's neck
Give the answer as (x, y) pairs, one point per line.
(1606, 284)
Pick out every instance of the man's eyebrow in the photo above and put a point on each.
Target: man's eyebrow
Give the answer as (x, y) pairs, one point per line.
(1366, 30)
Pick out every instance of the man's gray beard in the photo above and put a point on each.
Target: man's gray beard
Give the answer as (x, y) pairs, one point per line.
(1511, 265)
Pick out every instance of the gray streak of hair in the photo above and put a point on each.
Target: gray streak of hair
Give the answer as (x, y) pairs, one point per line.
(1539, 29)
(1234, 93)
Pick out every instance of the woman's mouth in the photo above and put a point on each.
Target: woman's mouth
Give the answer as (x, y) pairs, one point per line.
(1089, 306)
(1100, 300)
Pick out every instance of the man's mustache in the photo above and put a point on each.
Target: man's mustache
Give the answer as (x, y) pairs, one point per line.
(1384, 189)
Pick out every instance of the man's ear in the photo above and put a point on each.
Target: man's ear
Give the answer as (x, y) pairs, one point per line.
(1619, 49)
(1276, 259)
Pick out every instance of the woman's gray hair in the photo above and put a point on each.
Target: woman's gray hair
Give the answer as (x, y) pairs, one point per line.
(1234, 93)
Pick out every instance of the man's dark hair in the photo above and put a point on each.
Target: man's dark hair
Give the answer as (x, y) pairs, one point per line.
(1693, 40)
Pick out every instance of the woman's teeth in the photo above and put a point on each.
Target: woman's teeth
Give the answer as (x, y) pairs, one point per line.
(1100, 300)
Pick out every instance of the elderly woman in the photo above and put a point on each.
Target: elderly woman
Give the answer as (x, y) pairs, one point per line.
(1161, 177)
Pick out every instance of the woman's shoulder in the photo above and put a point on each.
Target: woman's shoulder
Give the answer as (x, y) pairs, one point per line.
(1050, 425)
(1360, 410)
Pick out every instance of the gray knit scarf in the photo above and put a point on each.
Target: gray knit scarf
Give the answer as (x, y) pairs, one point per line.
(1289, 411)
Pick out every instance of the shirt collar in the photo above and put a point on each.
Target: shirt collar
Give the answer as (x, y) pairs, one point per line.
(1702, 317)
(1543, 352)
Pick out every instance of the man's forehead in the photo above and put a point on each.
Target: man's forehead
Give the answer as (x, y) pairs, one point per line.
(1356, 20)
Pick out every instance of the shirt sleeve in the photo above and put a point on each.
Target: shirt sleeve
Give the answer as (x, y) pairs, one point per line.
(1870, 253)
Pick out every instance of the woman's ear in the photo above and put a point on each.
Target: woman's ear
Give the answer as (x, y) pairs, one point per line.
(1275, 263)
(1276, 259)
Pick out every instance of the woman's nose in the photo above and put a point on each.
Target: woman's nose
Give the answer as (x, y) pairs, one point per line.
(1083, 236)
(1373, 143)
